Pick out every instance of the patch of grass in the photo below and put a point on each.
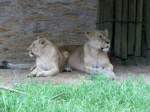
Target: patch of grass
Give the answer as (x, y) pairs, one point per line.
(98, 95)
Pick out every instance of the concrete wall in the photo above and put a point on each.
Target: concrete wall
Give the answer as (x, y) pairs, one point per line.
(59, 20)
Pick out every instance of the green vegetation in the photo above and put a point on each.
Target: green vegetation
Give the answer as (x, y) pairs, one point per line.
(97, 95)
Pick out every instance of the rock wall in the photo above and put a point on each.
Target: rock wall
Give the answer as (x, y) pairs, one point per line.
(59, 20)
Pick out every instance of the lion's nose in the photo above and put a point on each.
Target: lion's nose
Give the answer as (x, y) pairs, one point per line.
(32, 53)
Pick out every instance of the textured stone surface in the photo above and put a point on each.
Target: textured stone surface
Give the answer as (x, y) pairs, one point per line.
(59, 20)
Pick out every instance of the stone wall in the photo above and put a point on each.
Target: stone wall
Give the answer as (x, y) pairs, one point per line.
(59, 20)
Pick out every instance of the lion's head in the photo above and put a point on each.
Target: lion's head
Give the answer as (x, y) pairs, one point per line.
(37, 46)
(98, 40)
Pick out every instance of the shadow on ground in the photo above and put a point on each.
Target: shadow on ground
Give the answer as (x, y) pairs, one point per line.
(12, 77)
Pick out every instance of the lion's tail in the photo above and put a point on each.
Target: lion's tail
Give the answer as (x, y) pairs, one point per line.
(7, 65)
(66, 54)
(67, 67)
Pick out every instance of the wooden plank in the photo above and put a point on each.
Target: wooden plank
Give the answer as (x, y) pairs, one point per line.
(100, 13)
(139, 18)
(124, 29)
(131, 26)
(117, 34)
(147, 21)
(144, 45)
(108, 12)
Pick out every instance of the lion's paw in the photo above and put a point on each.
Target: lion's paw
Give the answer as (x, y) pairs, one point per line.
(31, 75)
(110, 74)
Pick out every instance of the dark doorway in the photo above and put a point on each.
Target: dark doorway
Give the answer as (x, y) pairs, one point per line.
(128, 22)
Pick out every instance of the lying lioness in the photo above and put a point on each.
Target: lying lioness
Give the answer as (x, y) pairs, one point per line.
(92, 57)
(49, 60)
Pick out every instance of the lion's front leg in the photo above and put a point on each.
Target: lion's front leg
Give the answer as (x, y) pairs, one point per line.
(108, 71)
(33, 67)
(94, 70)
(51, 72)
(88, 69)
(33, 72)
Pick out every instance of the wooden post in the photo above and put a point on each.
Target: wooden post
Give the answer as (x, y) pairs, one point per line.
(147, 21)
(100, 14)
(105, 16)
(139, 19)
(117, 35)
(108, 10)
(124, 29)
(131, 26)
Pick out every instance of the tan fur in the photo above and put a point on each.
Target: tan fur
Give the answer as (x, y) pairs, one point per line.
(49, 60)
(93, 53)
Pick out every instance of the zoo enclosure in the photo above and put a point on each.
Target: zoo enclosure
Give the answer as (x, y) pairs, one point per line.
(128, 22)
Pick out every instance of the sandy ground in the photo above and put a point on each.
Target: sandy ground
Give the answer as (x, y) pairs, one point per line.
(10, 78)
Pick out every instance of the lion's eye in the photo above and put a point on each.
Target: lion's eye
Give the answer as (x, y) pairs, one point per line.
(107, 42)
(42, 42)
(100, 36)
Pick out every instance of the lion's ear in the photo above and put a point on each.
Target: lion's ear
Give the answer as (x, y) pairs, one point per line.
(87, 34)
(42, 41)
(106, 33)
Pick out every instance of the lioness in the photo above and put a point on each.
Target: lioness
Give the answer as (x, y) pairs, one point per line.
(49, 60)
(92, 57)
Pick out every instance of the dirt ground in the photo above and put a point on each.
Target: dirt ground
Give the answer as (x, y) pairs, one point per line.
(10, 78)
